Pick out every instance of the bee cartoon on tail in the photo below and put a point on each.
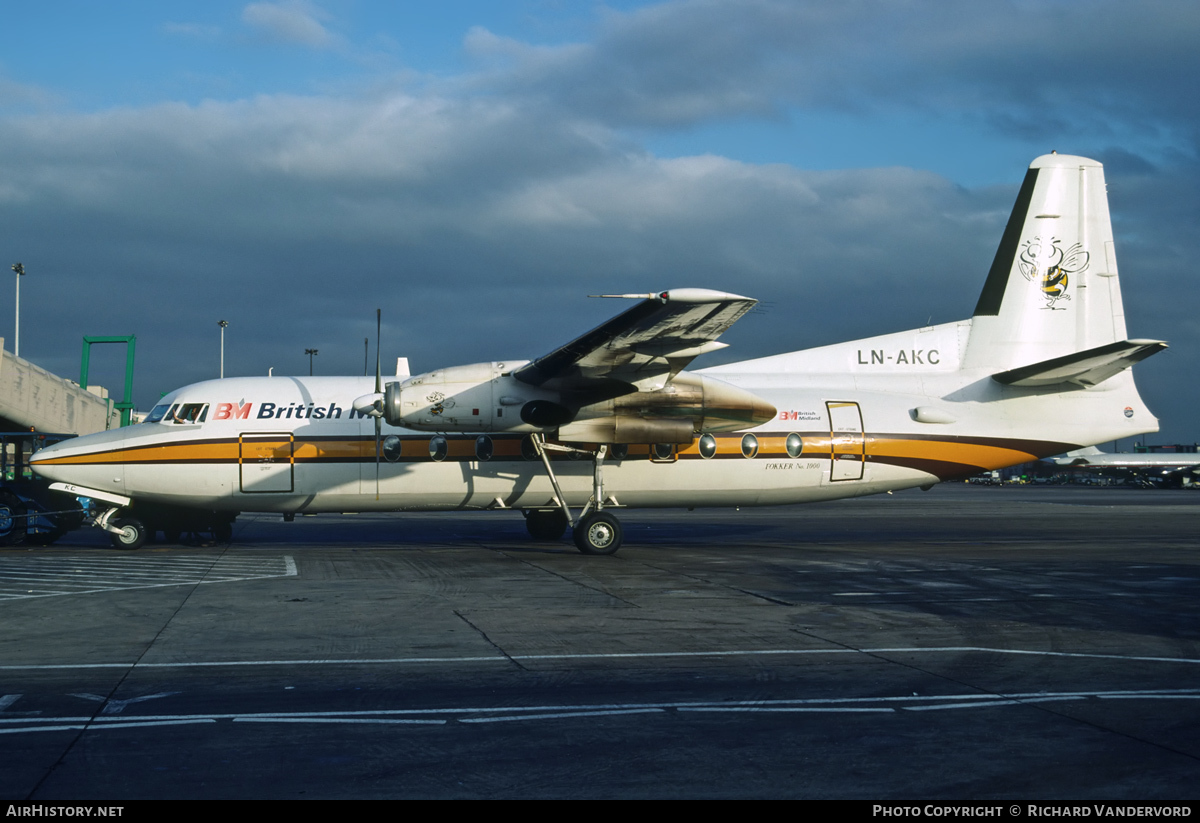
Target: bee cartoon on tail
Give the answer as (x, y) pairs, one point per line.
(1046, 263)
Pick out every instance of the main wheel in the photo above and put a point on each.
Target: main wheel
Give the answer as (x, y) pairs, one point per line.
(546, 525)
(131, 534)
(13, 526)
(598, 533)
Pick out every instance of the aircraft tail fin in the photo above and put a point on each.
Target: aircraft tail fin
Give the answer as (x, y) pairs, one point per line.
(1051, 311)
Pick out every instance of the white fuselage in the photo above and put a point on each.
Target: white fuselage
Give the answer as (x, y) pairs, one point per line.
(295, 444)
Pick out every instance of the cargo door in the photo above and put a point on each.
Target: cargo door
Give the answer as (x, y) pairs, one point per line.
(266, 462)
(847, 441)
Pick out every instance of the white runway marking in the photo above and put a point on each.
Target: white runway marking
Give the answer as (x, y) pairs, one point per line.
(310, 719)
(24, 577)
(405, 661)
(557, 715)
(513, 714)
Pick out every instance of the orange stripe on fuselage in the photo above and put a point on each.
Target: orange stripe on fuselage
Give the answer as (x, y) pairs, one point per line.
(880, 448)
(967, 454)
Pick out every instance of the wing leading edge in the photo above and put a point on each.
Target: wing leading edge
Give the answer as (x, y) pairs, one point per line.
(644, 346)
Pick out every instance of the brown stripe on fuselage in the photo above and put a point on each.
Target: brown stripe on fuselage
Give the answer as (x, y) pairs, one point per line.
(946, 457)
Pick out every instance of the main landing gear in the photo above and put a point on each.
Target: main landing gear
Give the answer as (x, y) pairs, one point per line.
(595, 531)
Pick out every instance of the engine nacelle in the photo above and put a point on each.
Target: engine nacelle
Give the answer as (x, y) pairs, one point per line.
(689, 404)
(480, 397)
(484, 397)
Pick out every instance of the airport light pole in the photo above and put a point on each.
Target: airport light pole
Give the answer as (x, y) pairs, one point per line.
(20, 270)
(310, 353)
(222, 324)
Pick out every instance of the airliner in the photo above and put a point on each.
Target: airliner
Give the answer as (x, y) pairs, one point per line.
(613, 419)
(1174, 466)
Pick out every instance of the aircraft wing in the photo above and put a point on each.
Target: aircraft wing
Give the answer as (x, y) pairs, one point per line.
(643, 347)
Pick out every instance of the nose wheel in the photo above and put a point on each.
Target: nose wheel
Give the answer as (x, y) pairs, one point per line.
(128, 533)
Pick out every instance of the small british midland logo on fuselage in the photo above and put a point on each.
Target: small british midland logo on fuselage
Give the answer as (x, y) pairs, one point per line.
(1045, 263)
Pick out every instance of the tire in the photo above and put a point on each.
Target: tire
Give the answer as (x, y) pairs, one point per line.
(223, 532)
(13, 527)
(132, 534)
(546, 525)
(598, 533)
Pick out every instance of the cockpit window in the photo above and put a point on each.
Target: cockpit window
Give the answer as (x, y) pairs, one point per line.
(157, 413)
(187, 413)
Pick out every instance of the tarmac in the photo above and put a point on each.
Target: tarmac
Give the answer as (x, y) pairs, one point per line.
(1027, 643)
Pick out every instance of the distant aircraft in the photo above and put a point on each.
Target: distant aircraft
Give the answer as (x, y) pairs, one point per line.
(1162, 465)
(612, 420)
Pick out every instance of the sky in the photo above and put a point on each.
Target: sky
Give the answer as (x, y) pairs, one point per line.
(476, 169)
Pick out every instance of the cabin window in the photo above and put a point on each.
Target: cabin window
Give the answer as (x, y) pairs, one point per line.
(483, 447)
(663, 451)
(618, 451)
(391, 448)
(794, 445)
(438, 448)
(708, 446)
(528, 450)
(749, 446)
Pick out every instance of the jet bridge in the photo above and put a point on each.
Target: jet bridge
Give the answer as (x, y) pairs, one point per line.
(30, 396)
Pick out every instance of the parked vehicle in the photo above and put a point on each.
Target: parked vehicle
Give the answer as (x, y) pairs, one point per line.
(29, 512)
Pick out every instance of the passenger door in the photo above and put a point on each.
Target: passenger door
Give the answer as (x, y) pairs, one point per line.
(266, 462)
(847, 441)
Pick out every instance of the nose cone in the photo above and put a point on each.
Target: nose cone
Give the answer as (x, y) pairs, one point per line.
(94, 461)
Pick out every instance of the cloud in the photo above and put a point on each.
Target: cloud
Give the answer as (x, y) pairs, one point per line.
(293, 21)
(294, 217)
(1035, 69)
(15, 96)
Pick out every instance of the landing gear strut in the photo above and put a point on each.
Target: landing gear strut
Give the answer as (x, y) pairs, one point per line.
(595, 531)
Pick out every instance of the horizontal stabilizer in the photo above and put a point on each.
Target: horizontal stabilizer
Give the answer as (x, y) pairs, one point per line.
(1085, 368)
